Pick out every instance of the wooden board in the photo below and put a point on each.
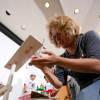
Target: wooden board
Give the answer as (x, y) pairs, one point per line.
(29, 43)
(2, 86)
(35, 95)
(38, 96)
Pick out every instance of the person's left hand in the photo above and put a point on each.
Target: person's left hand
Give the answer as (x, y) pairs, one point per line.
(49, 60)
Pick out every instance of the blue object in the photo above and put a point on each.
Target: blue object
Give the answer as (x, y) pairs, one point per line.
(92, 92)
(45, 87)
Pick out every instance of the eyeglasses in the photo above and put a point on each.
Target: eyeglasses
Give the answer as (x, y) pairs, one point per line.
(56, 36)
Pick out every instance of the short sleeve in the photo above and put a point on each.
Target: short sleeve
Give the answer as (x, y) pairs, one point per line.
(26, 82)
(92, 44)
(60, 73)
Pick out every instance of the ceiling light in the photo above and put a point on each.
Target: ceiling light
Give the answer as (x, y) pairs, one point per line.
(23, 27)
(44, 47)
(47, 5)
(80, 27)
(98, 32)
(76, 11)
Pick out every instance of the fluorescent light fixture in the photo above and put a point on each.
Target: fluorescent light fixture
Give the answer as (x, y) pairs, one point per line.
(76, 11)
(47, 4)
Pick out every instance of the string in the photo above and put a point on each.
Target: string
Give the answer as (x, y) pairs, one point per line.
(17, 60)
(30, 53)
(31, 56)
(26, 60)
(35, 72)
(3, 75)
(10, 65)
(27, 68)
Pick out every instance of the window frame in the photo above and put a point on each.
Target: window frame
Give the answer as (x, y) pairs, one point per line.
(10, 34)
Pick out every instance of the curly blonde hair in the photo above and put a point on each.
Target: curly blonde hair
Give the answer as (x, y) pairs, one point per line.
(63, 24)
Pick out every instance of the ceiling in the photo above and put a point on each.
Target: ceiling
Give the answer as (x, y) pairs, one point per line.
(34, 15)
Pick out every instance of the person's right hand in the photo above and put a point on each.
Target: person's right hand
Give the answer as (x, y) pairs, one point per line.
(35, 57)
(36, 65)
(54, 91)
(49, 60)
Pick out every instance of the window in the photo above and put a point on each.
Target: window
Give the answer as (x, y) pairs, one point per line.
(10, 34)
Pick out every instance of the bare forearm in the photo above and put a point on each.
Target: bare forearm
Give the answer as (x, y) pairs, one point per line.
(25, 87)
(86, 65)
(52, 78)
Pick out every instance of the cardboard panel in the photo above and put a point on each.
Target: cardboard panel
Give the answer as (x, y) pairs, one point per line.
(20, 55)
(62, 94)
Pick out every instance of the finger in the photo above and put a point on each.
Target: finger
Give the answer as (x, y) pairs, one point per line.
(40, 64)
(37, 66)
(39, 60)
(52, 88)
(34, 57)
(47, 52)
(51, 95)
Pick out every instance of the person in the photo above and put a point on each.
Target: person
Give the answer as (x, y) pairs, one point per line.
(47, 85)
(54, 90)
(81, 58)
(73, 87)
(52, 69)
(30, 85)
(46, 79)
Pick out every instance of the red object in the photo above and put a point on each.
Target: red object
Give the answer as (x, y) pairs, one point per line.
(25, 97)
(50, 91)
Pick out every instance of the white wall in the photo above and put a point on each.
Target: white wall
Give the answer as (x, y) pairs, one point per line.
(7, 49)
